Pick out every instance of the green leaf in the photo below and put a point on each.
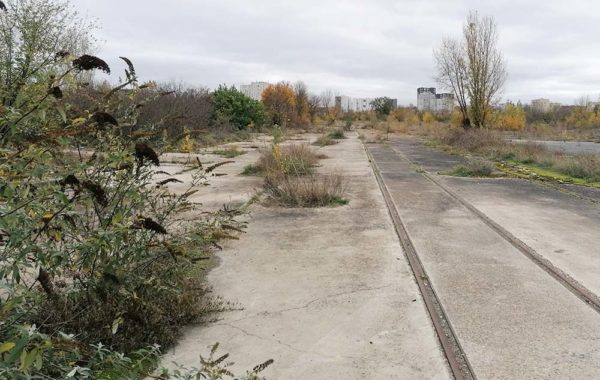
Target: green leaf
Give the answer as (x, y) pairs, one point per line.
(38, 362)
(14, 354)
(61, 110)
(27, 358)
(115, 325)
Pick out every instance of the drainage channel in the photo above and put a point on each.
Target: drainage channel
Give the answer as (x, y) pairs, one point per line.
(457, 360)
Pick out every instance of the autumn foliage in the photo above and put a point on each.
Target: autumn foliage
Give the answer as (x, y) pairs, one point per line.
(511, 118)
(280, 102)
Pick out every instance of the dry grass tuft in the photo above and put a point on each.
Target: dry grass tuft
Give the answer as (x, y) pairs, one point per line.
(325, 140)
(290, 180)
(474, 168)
(230, 152)
(308, 191)
(493, 145)
(293, 160)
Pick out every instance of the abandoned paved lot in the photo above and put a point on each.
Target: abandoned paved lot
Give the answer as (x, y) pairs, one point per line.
(329, 294)
(326, 293)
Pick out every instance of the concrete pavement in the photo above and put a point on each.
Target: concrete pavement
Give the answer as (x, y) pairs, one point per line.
(325, 292)
(512, 319)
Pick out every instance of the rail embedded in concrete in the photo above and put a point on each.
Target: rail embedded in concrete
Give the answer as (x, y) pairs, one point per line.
(583, 293)
(457, 360)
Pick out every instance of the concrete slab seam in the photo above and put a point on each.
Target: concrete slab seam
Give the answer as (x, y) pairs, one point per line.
(455, 356)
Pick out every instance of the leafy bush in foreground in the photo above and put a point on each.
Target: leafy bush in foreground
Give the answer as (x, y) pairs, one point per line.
(96, 259)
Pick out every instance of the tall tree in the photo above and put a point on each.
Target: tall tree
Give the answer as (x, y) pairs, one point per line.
(327, 100)
(473, 68)
(453, 74)
(280, 102)
(302, 103)
(314, 102)
(382, 106)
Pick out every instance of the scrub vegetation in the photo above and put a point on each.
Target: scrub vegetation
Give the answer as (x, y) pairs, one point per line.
(99, 266)
(290, 178)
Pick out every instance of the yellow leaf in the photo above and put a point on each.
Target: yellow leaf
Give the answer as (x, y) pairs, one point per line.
(6, 347)
(79, 121)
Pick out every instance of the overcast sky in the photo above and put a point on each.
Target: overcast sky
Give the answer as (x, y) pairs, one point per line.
(357, 48)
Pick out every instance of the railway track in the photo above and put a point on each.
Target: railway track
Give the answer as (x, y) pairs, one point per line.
(450, 344)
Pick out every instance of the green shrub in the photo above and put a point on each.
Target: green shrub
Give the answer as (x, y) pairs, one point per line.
(240, 110)
(93, 247)
(252, 170)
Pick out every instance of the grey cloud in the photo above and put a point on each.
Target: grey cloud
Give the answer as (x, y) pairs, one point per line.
(359, 48)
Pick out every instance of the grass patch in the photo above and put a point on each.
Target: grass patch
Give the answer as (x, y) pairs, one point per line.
(473, 168)
(517, 169)
(290, 179)
(581, 169)
(292, 160)
(230, 152)
(325, 140)
(338, 134)
(307, 191)
(252, 170)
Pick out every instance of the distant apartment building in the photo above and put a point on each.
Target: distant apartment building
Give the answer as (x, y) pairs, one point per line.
(429, 100)
(254, 90)
(541, 105)
(361, 104)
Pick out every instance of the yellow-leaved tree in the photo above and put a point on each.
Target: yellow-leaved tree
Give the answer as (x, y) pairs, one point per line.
(280, 102)
(511, 118)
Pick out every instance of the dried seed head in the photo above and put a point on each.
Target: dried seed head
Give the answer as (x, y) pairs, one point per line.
(149, 224)
(70, 180)
(103, 118)
(56, 92)
(89, 62)
(261, 367)
(144, 151)
(97, 192)
(168, 180)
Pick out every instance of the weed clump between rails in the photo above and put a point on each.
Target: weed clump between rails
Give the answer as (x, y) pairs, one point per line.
(290, 179)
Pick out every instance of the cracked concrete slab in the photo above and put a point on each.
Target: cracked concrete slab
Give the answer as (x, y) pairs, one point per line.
(326, 293)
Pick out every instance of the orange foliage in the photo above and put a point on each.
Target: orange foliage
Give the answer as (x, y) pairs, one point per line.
(280, 102)
(512, 118)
